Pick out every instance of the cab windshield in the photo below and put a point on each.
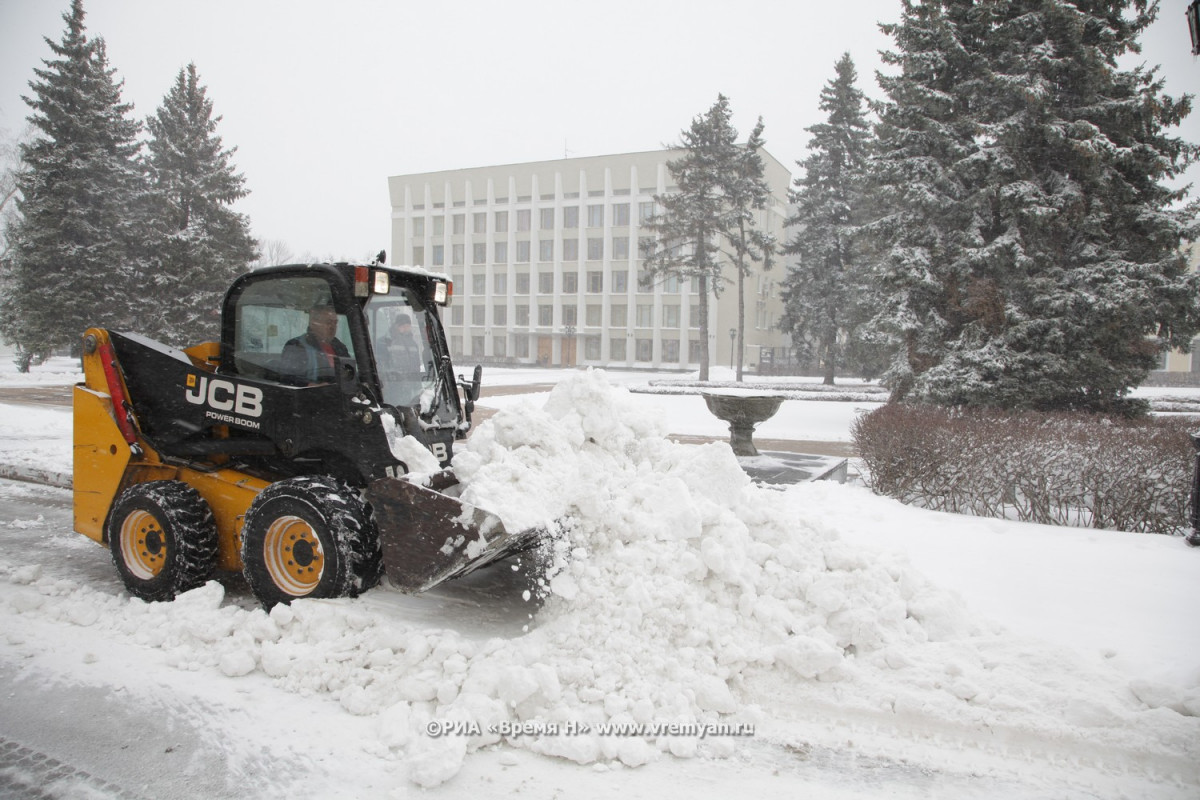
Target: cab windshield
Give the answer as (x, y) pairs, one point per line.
(401, 332)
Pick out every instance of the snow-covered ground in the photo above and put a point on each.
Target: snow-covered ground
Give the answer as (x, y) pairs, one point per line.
(818, 641)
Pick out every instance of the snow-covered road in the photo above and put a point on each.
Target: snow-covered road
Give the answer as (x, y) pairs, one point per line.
(860, 648)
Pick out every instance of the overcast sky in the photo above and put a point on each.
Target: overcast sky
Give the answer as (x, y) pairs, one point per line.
(325, 100)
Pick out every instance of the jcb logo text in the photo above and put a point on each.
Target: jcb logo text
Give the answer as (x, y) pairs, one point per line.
(223, 395)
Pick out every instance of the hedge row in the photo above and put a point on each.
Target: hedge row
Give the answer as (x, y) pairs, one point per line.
(1057, 469)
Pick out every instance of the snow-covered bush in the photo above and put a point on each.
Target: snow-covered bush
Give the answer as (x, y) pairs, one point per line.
(1057, 469)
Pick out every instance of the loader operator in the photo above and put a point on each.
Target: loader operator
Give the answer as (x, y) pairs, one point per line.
(400, 361)
(312, 358)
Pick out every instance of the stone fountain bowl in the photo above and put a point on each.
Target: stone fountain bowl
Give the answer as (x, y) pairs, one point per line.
(742, 409)
(742, 412)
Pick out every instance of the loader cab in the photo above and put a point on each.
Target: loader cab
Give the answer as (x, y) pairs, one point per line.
(383, 338)
(271, 320)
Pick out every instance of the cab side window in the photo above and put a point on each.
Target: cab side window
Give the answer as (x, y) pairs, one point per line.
(282, 328)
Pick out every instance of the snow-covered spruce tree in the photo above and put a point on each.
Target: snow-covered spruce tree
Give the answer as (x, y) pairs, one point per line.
(1029, 250)
(746, 193)
(9, 161)
(74, 257)
(825, 292)
(204, 243)
(690, 221)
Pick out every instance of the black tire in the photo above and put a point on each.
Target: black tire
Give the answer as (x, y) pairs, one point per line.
(163, 539)
(309, 537)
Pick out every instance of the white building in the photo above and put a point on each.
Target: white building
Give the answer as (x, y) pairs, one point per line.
(545, 260)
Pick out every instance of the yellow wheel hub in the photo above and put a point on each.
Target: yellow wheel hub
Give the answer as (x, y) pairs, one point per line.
(293, 556)
(143, 545)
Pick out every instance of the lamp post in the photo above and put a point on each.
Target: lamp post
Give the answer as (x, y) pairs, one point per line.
(732, 341)
(569, 334)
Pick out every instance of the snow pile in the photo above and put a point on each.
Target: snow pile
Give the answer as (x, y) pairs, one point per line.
(676, 574)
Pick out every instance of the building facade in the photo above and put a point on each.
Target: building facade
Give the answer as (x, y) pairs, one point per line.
(547, 268)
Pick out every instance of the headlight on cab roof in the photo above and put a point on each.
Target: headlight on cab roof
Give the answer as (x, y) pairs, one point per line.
(383, 282)
(443, 291)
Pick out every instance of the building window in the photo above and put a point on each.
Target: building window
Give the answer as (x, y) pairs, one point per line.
(571, 217)
(595, 249)
(479, 253)
(693, 351)
(645, 315)
(620, 248)
(618, 316)
(523, 252)
(478, 313)
(501, 222)
(570, 249)
(545, 283)
(620, 280)
(521, 346)
(595, 282)
(418, 257)
(477, 345)
(591, 348)
(570, 282)
(478, 284)
(596, 216)
(594, 315)
(479, 222)
(456, 346)
(500, 283)
(500, 347)
(456, 255)
(439, 255)
(545, 316)
(460, 224)
(645, 212)
(644, 349)
(569, 315)
(456, 315)
(523, 215)
(545, 249)
(546, 219)
(501, 252)
(616, 349)
(418, 226)
(499, 315)
(522, 316)
(439, 226)
(645, 281)
(522, 283)
(670, 351)
(670, 317)
(693, 315)
(620, 214)
(671, 284)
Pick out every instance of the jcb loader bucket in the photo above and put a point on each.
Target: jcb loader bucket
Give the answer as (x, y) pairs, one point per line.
(429, 536)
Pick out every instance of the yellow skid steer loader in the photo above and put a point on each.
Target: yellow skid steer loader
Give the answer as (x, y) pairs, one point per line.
(280, 450)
